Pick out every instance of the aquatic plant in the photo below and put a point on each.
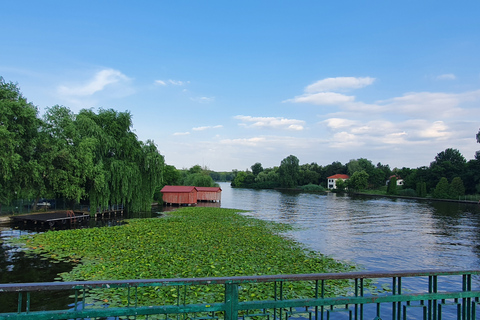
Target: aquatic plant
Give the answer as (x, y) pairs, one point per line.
(189, 243)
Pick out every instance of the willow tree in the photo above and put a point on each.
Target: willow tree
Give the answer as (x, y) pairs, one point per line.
(18, 136)
(125, 171)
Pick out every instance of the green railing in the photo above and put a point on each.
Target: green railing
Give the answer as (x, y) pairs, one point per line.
(364, 295)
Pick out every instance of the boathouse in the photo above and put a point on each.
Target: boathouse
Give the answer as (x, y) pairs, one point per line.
(179, 195)
(209, 194)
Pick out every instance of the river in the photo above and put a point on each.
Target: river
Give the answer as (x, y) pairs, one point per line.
(377, 233)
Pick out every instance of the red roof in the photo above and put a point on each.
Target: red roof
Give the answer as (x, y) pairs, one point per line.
(208, 189)
(339, 176)
(177, 189)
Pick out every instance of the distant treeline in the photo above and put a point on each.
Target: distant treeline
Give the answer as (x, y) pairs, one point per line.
(450, 175)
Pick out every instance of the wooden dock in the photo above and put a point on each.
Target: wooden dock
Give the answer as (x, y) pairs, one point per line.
(52, 218)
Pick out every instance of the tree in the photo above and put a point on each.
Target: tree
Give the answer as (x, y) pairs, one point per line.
(457, 188)
(340, 185)
(19, 128)
(358, 181)
(421, 189)
(392, 186)
(449, 164)
(288, 172)
(256, 168)
(442, 189)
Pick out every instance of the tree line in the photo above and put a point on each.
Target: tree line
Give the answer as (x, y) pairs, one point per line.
(91, 157)
(448, 176)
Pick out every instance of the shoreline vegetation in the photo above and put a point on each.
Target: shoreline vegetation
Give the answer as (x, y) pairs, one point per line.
(191, 242)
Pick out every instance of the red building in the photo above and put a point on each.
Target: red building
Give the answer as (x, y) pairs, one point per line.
(213, 194)
(179, 195)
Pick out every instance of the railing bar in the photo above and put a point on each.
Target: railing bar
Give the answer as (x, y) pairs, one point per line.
(356, 295)
(362, 288)
(221, 280)
(316, 297)
(28, 303)
(84, 298)
(20, 302)
(281, 298)
(136, 297)
(322, 308)
(75, 308)
(128, 296)
(275, 298)
(184, 295)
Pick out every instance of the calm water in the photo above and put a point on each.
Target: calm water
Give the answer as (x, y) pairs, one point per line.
(377, 233)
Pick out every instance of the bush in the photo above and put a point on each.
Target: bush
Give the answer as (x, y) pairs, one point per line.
(407, 192)
(312, 188)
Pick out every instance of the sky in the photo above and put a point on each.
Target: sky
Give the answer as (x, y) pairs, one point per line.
(226, 84)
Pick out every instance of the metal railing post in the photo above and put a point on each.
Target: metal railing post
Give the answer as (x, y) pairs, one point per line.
(231, 301)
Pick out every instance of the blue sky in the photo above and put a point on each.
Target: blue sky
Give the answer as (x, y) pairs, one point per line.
(225, 84)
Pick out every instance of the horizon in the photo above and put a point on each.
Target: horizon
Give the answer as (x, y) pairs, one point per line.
(226, 85)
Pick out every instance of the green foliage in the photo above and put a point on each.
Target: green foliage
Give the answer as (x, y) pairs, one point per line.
(457, 189)
(407, 192)
(421, 189)
(288, 172)
(198, 177)
(358, 181)
(220, 243)
(312, 188)
(256, 168)
(19, 127)
(392, 186)
(340, 185)
(442, 189)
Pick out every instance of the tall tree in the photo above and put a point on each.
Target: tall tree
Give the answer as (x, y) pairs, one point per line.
(288, 172)
(256, 168)
(442, 189)
(392, 186)
(19, 127)
(358, 181)
(457, 189)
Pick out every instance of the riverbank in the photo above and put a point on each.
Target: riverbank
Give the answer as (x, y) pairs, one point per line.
(414, 198)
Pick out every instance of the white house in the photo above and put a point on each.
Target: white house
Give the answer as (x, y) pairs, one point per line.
(331, 184)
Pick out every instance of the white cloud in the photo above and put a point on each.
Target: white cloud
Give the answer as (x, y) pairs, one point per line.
(438, 129)
(345, 140)
(181, 133)
(178, 82)
(170, 81)
(251, 142)
(336, 123)
(447, 76)
(430, 104)
(321, 92)
(323, 98)
(272, 122)
(100, 81)
(207, 127)
(339, 83)
(203, 99)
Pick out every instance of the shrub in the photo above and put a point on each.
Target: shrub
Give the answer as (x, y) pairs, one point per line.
(407, 192)
(312, 188)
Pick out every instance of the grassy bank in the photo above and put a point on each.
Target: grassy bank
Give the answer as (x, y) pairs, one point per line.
(191, 242)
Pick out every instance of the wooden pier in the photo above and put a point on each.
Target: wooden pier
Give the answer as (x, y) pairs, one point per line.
(52, 218)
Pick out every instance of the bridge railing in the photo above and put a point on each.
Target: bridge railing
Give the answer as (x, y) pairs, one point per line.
(359, 295)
